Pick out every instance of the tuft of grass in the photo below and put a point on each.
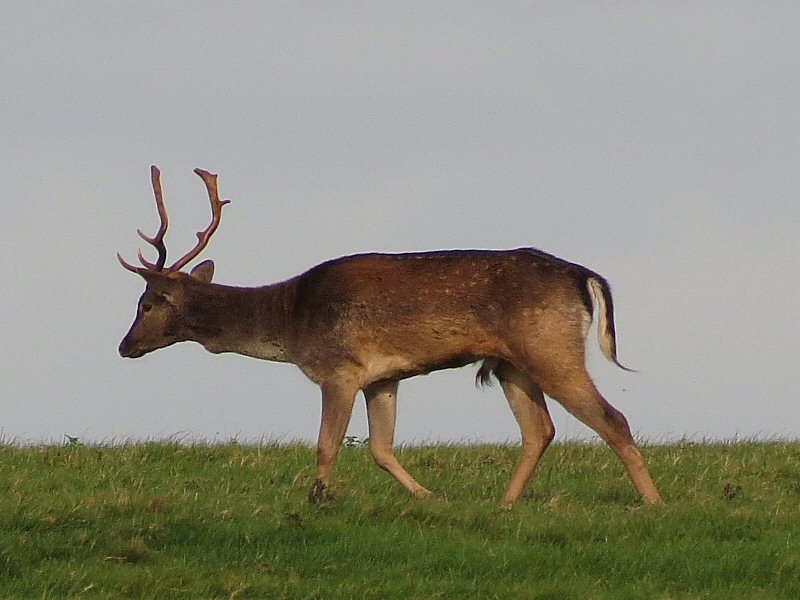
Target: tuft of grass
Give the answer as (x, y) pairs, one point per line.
(167, 520)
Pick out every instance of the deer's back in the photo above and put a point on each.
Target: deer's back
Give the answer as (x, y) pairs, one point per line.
(405, 314)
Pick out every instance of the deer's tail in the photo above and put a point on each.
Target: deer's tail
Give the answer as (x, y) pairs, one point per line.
(600, 292)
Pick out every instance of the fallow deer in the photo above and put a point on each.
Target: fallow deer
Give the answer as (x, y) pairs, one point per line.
(366, 321)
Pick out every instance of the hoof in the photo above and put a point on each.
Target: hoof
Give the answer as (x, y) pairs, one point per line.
(422, 492)
(319, 492)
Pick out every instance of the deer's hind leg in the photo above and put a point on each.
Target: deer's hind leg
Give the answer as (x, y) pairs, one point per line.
(381, 400)
(535, 425)
(569, 383)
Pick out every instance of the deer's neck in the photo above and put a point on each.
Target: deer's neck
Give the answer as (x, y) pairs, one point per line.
(249, 321)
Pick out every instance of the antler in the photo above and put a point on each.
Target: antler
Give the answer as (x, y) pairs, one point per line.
(157, 241)
(210, 180)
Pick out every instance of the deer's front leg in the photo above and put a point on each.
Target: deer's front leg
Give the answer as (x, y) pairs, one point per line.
(381, 400)
(337, 407)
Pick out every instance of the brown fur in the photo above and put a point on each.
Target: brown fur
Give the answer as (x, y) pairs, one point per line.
(365, 322)
(375, 318)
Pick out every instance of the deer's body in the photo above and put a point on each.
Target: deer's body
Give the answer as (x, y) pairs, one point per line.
(365, 322)
(393, 316)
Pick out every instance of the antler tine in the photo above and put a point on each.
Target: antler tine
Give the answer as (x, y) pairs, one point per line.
(158, 240)
(147, 264)
(210, 179)
(127, 265)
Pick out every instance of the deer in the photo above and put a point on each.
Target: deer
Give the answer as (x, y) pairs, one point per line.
(365, 322)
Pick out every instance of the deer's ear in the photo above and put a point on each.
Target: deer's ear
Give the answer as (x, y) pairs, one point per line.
(204, 271)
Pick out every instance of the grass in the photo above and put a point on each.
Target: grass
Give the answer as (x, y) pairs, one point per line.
(165, 520)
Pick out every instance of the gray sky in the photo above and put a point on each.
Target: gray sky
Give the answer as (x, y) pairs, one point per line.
(657, 143)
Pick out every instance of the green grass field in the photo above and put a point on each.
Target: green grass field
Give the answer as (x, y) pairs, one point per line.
(164, 520)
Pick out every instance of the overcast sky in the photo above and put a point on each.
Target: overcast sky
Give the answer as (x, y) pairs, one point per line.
(657, 143)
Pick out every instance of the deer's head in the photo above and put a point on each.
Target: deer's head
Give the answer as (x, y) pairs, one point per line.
(161, 316)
